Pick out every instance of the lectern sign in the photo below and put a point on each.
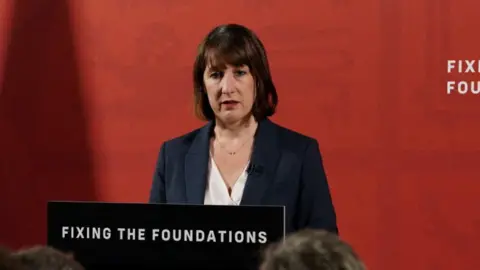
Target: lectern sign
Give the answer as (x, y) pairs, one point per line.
(161, 236)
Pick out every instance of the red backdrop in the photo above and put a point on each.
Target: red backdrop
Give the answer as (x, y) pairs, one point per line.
(89, 90)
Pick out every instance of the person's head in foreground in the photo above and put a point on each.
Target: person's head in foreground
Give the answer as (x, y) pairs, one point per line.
(232, 81)
(46, 258)
(311, 250)
(7, 262)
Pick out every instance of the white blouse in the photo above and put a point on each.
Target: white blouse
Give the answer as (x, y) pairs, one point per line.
(217, 191)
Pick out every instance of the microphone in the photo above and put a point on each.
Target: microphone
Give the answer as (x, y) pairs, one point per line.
(254, 169)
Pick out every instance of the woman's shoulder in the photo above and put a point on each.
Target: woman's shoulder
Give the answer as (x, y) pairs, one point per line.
(291, 136)
(185, 140)
(295, 142)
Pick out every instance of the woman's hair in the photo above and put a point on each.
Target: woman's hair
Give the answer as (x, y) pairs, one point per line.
(311, 249)
(236, 45)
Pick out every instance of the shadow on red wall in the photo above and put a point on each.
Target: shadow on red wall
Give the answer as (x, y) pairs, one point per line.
(45, 153)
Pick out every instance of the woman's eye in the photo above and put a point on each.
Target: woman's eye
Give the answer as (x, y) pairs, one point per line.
(215, 75)
(240, 72)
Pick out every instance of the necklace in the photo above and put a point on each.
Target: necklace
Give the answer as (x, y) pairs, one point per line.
(232, 153)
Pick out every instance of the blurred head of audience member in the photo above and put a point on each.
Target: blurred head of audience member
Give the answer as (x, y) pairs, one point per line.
(7, 262)
(311, 250)
(46, 258)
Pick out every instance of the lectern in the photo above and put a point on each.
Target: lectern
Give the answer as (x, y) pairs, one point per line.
(164, 236)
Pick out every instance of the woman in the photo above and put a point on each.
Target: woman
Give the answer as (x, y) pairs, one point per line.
(240, 156)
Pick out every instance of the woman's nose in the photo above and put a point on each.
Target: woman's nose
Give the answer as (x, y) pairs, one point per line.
(228, 83)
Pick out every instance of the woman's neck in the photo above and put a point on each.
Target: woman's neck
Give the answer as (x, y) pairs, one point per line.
(236, 130)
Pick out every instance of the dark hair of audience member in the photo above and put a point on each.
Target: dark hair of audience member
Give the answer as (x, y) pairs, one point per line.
(46, 258)
(311, 250)
(7, 262)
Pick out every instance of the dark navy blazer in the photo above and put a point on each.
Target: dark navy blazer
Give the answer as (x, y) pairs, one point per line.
(286, 169)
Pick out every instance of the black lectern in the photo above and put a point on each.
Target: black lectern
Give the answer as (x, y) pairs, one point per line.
(164, 236)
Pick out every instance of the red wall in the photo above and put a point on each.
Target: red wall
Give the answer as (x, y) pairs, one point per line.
(89, 90)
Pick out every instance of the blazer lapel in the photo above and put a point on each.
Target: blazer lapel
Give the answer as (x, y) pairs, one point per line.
(263, 163)
(196, 166)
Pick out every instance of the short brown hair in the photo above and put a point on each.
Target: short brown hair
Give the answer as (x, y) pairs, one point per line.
(311, 250)
(235, 45)
(7, 262)
(46, 258)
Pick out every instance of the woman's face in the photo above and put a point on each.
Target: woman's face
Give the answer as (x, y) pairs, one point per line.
(231, 92)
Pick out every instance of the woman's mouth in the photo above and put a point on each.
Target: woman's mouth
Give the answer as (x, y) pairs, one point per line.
(229, 104)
